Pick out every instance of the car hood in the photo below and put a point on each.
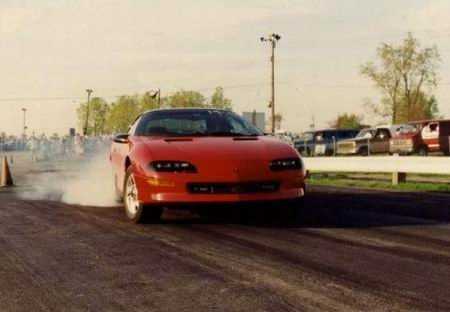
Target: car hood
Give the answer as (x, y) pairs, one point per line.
(217, 156)
(353, 140)
(402, 136)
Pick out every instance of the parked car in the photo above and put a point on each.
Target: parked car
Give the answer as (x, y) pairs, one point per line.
(422, 137)
(368, 141)
(325, 141)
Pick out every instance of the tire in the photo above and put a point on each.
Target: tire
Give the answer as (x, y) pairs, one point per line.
(363, 151)
(423, 151)
(118, 197)
(135, 211)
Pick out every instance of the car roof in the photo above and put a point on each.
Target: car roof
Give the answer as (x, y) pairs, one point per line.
(186, 109)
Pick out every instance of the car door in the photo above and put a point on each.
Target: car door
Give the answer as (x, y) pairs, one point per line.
(380, 142)
(319, 144)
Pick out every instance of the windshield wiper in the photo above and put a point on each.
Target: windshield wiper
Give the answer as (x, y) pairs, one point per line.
(228, 133)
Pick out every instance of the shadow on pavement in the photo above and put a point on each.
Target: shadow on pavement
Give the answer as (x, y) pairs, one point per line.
(329, 208)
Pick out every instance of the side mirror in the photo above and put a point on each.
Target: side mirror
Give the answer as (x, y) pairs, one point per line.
(121, 138)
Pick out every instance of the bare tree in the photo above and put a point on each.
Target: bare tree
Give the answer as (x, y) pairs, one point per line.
(404, 74)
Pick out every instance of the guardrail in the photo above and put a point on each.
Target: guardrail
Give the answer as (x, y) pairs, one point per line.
(399, 166)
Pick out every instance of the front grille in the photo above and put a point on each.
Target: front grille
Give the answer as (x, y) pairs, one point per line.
(233, 188)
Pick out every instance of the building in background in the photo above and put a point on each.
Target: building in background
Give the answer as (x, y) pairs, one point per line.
(258, 119)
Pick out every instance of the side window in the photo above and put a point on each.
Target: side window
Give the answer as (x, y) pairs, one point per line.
(430, 131)
(346, 135)
(434, 127)
(318, 136)
(329, 135)
(382, 134)
(236, 126)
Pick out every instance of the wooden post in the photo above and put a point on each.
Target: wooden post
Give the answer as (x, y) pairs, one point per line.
(398, 177)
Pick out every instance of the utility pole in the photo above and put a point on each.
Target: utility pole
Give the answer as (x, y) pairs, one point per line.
(155, 94)
(159, 98)
(273, 39)
(24, 110)
(313, 123)
(86, 124)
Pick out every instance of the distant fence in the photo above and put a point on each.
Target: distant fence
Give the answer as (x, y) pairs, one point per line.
(397, 165)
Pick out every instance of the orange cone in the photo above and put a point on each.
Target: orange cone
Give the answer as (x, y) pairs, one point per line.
(6, 178)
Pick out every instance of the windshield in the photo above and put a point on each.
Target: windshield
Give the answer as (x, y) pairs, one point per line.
(194, 123)
(307, 136)
(404, 129)
(365, 133)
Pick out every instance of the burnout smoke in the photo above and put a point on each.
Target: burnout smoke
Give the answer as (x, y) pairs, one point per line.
(87, 181)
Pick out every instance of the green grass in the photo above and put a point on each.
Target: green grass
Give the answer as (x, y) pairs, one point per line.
(341, 180)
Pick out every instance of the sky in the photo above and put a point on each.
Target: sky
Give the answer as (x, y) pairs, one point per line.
(52, 50)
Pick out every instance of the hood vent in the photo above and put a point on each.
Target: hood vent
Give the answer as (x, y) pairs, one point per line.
(178, 140)
(249, 138)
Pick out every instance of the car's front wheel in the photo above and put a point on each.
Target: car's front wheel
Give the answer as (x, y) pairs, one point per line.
(423, 151)
(135, 211)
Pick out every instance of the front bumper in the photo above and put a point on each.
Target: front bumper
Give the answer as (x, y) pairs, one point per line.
(176, 191)
(405, 149)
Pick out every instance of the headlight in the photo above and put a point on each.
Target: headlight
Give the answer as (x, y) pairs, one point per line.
(286, 164)
(172, 166)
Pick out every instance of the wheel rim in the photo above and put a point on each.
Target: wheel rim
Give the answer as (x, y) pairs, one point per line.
(131, 197)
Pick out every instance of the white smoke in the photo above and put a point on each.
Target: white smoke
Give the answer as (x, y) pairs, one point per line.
(86, 182)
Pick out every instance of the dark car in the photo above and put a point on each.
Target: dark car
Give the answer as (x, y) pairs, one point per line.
(325, 141)
(322, 142)
(305, 143)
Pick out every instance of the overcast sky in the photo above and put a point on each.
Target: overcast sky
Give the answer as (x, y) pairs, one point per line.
(57, 49)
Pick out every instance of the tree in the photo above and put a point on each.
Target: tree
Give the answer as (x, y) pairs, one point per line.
(347, 121)
(186, 99)
(98, 110)
(218, 100)
(426, 107)
(118, 116)
(123, 113)
(404, 74)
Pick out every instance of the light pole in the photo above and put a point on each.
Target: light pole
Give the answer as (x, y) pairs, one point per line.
(155, 94)
(86, 124)
(24, 110)
(273, 39)
(159, 98)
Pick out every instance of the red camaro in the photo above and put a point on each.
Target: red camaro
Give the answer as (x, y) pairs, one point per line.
(189, 157)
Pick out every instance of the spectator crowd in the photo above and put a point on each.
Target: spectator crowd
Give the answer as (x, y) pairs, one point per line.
(44, 148)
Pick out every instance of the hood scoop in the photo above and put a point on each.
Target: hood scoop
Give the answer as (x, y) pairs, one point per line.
(249, 138)
(178, 140)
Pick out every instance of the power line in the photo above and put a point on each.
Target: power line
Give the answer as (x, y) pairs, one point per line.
(57, 98)
(225, 87)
